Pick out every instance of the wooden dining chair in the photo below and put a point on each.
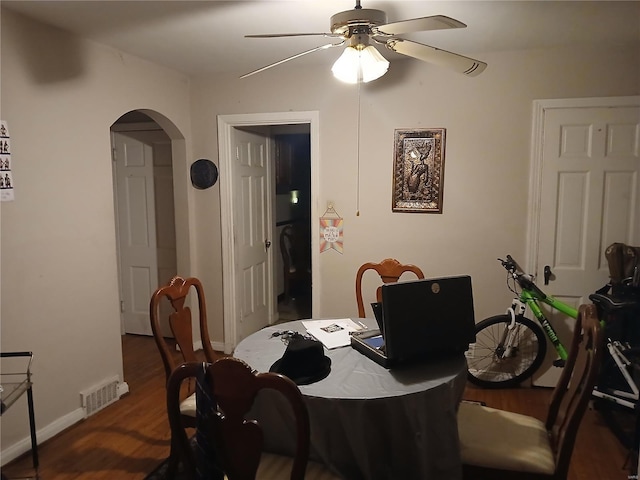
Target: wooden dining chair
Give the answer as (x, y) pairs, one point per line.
(496, 444)
(228, 442)
(177, 292)
(389, 270)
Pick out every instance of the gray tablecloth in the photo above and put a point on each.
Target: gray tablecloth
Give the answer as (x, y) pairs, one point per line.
(368, 422)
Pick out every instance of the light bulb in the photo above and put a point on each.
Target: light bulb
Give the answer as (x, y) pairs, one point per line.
(359, 65)
(372, 64)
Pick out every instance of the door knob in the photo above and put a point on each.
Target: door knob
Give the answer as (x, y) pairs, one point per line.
(547, 274)
(267, 244)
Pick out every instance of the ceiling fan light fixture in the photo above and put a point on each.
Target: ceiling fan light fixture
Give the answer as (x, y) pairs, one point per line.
(360, 64)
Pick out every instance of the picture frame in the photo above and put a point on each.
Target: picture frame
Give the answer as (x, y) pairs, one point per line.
(418, 170)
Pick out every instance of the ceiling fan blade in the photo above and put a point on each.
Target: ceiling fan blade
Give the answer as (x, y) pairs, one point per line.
(452, 61)
(279, 62)
(276, 35)
(435, 22)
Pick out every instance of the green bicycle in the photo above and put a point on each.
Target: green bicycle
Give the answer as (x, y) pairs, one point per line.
(509, 348)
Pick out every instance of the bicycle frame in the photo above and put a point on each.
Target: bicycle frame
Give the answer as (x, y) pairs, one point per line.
(531, 298)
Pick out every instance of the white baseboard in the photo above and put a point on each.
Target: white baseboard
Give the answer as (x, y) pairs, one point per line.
(123, 387)
(22, 446)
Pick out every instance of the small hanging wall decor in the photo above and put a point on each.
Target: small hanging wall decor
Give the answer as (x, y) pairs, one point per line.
(418, 170)
(6, 178)
(331, 231)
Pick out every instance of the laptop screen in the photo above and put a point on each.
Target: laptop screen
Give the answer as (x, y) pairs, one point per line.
(425, 317)
(377, 312)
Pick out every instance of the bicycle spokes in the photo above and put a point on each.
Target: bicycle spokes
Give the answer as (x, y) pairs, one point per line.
(504, 353)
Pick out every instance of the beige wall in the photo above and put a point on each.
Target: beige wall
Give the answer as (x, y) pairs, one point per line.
(488, 121)
(60, 95)
(59, 280)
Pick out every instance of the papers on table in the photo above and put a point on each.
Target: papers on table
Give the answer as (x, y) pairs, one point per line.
(332, 333)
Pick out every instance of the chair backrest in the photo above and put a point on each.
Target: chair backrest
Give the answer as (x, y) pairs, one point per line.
(235, 440)
(572, 393)
(180, 322)
(389, 270)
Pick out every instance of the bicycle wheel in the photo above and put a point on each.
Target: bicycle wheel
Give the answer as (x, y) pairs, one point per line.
(487, 368)
(622, 421)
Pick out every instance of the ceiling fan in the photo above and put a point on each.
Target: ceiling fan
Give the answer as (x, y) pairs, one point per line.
(360, 27)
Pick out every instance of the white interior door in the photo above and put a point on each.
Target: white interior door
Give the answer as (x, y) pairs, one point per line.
(252, 231)
(146, 226)
(588, 200)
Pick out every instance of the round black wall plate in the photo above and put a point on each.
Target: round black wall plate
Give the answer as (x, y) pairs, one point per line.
(204, 173)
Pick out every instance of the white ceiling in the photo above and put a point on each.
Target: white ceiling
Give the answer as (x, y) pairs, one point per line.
(198, 37)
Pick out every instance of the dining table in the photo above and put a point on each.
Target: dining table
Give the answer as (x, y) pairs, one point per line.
(367, 422)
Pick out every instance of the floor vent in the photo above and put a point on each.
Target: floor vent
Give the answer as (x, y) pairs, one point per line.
(96, 398)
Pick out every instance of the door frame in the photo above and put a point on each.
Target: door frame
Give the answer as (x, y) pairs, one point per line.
(535, 174)
(226, 124)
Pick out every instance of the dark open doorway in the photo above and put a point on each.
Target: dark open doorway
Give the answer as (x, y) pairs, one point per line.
(293, 224)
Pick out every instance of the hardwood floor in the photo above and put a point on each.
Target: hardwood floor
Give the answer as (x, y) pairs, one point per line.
(130, 438)
(124, 441)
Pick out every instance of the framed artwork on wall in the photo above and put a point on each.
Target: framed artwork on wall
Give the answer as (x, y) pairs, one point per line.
(418, 170)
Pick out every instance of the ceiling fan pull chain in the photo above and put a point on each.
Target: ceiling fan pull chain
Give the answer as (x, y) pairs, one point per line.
(358, 157)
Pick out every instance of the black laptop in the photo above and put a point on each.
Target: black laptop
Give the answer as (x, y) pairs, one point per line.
(420, 320)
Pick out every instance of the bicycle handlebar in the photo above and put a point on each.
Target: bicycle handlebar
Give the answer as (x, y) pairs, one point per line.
(509, 264)
(524, 279)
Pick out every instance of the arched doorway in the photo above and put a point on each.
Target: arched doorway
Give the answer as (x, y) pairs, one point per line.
(147, 151)
(145, 215)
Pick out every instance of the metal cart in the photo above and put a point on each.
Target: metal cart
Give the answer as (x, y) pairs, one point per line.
(13, 385)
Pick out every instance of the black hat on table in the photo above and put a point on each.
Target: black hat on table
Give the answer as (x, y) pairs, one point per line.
(303, 361)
